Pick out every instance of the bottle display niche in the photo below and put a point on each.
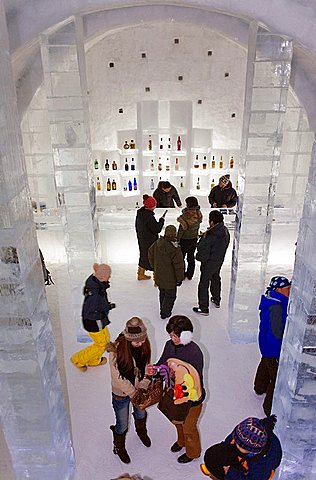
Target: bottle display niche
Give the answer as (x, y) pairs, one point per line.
(178, 153)
(209, 164)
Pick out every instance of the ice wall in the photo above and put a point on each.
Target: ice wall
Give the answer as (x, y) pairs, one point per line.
(66, 90)
(295, 392)
(267, 84)
(33, 415)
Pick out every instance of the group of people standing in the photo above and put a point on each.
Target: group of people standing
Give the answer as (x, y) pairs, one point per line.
(252, 450)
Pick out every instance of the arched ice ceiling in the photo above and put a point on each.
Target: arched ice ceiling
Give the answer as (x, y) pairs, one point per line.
(295, 18)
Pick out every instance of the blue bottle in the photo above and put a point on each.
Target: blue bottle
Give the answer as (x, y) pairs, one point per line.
(130, 186)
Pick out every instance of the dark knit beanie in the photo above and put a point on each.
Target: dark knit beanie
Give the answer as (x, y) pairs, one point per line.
(219, 456)
(135, 330)
(251, 435)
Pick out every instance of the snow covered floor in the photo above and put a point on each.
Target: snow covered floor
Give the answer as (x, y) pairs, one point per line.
(228, 374)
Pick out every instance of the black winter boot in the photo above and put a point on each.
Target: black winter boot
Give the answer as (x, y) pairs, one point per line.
(119, 445)
(141, 430)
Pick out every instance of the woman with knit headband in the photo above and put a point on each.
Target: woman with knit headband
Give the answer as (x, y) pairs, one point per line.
(129, 356)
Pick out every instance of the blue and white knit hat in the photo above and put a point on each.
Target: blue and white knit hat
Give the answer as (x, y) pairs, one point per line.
(278, 282)
(251, 435)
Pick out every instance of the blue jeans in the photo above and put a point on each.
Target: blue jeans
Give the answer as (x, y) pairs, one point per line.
(121, 410)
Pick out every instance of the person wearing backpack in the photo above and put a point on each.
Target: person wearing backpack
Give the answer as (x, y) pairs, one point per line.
(95, 310)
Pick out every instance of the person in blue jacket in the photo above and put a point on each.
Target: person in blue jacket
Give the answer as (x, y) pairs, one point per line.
(273, 314)
(251, 452)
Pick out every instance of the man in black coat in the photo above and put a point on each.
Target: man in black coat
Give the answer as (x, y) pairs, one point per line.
(223, 195)
(165, 195)
(211, 251)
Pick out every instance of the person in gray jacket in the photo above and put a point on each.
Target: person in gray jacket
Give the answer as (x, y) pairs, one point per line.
(211, 251)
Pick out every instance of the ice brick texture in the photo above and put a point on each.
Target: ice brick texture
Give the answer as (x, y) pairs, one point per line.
(65, 83)
(33, 415)
(267, 83)
(295, 392)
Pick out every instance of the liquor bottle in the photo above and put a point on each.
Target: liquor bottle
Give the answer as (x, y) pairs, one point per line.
(132, 145)
(98, 184)
(152, 185)
(176, 165)
(169, 143)
(125, 186)
(136, 205)
(126, 165)
(196, 163)
(168, 164)
(135, 184)
(213, 183)
(113, 184)
(108, 185)
(150, 143)
(221, 163)
(107, 165)
(159, 165)
(179, 143)
(198, 187)
(161, 143)
(213, 161)
(114, 166)
(130, 186)
(132, 164)
(204, 165)
(231, 162)
(181, 183)
(96, 164)
(126, 145)
(152, 166)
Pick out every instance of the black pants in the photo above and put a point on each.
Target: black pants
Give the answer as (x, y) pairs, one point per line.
(265, 381)
(188, 247)
(209, 281)
(167, 299)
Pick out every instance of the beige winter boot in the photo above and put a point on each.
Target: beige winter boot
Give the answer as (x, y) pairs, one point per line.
(141, 274)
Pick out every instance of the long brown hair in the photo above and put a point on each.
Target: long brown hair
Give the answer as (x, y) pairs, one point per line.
(124, 356)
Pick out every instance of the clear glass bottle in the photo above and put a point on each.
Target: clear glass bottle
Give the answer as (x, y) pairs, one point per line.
(125, 186)
(152, 185)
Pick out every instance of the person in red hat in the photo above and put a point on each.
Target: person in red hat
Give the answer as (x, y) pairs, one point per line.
(147, 230)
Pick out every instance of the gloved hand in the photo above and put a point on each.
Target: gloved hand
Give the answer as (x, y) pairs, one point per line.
(112, 305)
(179, 284)
(144, 384)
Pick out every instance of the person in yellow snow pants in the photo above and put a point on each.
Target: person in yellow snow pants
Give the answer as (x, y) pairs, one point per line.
(95, 319)
(92, 356)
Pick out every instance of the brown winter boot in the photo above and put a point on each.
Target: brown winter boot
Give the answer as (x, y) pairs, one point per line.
(119, 445)
(141, 274)
(141, 430)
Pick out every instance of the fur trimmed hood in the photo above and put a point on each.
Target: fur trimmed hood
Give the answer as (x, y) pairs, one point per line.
(190, 217)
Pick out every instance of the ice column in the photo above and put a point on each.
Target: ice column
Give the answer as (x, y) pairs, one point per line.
(65, 83)
(295, 160)
(38, 153)
(295, 393)
(33, 415)
(267, 83)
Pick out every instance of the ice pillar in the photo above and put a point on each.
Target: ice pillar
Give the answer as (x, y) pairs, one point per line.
(267, 83)
(295, 392)
(63, 60)
(33, 415)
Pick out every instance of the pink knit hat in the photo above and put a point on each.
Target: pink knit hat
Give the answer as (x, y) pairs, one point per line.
(102, 271)
(149, 202)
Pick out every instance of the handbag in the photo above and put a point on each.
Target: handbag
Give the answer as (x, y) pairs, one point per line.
(176, 413)
(145, 398)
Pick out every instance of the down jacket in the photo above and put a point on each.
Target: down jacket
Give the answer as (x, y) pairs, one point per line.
(95, 306)
(190, 222)
(273, 314)
(147, 229)
(166, 199)
(211, 248)
(166, 258)
(223, 196)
